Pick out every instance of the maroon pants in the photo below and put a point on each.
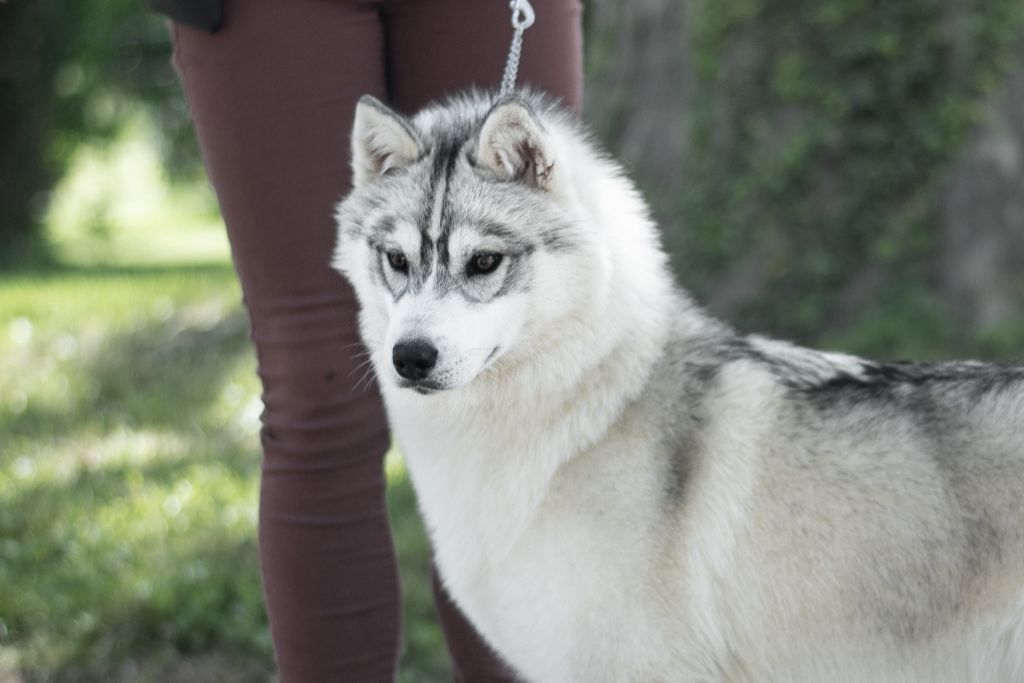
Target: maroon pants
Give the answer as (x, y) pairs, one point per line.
(272, 97)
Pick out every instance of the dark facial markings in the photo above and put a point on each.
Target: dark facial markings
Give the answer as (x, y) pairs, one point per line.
(557, 238)
(515, 277)
(443, 253)
(502, 232)
(467, 274)
(507, 236)
(445, 159)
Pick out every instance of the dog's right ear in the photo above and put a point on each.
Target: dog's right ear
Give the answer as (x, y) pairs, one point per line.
(382, 141)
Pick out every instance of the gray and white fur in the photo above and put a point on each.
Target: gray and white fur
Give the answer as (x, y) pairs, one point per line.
(619, 488)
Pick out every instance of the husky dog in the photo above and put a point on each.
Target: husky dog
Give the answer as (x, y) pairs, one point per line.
(619, 488)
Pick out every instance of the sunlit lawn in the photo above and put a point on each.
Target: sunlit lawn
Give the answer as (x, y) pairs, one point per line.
(128, 469)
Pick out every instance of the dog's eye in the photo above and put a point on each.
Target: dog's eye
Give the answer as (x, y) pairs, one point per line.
(482, 264)
(397, 261)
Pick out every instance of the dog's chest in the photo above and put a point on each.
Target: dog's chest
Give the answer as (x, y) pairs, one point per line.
(555, 574)
(566, 601)
(561, 610)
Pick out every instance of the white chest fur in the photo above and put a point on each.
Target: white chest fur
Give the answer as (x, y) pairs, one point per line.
(527, 557)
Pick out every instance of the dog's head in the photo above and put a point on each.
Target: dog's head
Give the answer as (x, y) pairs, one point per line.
(463, 235)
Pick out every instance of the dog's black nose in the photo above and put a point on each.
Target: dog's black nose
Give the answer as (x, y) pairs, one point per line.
(414, 359)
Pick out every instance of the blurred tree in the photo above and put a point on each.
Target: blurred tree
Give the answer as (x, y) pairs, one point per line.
(798, 153)
(69, 72)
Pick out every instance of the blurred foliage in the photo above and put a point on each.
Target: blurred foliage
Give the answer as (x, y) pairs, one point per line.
(115, 205)
(68, 74)
(821, 131)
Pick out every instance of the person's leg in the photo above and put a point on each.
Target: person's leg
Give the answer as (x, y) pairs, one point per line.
(441, 47)
(272, 97)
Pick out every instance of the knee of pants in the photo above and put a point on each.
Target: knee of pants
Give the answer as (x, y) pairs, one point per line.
(318, 399)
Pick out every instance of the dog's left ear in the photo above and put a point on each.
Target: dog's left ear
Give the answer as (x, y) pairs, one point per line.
(514, 146)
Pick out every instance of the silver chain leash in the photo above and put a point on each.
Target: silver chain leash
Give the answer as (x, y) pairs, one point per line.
(522, 19)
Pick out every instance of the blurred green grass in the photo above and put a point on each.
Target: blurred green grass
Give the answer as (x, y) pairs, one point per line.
(129, 460)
